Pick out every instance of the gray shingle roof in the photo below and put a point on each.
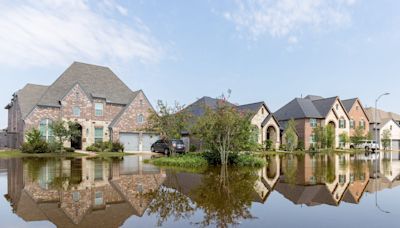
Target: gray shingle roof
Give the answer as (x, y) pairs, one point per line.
(253, 107)
(198, 108)
(382, 116)
(324, 106)
(298, 108)
(29, 96)
(96, 81)
(313, 97)
(348, 104)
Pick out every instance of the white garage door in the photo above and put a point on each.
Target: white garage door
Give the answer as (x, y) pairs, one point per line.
(148, 140)
(130, 141)
(396, 145)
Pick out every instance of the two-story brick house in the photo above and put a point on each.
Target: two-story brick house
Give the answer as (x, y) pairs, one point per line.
(93, 97)
(358, 115)
(313, 111)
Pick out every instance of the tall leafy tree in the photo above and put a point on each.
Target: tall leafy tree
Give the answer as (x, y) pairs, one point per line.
(386, 138)
(358, 136)
(64, 131)
(291, 135)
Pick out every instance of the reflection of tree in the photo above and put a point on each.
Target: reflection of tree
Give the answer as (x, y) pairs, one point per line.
(290, 170)
(225, 198)
(168, 203)
(34, 166)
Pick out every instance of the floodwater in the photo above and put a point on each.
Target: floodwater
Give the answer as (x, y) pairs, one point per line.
(310, 190)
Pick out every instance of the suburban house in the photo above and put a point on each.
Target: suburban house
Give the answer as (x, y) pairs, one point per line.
(358, 115)
(385, 121)
(93, 97)
(313, 111)
(265, 124)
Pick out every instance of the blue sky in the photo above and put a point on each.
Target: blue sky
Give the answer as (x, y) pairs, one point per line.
(263, 50)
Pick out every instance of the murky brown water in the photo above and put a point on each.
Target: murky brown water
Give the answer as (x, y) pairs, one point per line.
(291, 191)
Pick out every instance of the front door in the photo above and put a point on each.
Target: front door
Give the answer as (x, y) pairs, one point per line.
(76, 142)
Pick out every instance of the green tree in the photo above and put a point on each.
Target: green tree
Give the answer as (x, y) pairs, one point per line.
(291, 135)
(224, 130)
(330, 136)
(386, 138)
(344, 139)
(64, 131)
(168, 121)
(319, 137)
(324, 137)
(358, 136)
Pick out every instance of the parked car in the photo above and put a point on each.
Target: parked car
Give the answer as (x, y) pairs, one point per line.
(368, 145)
(166, 146)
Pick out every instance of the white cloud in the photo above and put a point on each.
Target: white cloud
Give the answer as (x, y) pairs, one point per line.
(57, 32)
(283, 18)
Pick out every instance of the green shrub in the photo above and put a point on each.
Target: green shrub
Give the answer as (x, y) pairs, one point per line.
(117, 147)
(54, 146)
(184, 161)
(282, 147)
(107, 146)
(35, 148)
(69, 150)
(268, 144)
(214, 158)
(247, 160)
(300, 145)
(34, 143)
(192, 148)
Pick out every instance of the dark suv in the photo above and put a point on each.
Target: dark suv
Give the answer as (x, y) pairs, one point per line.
(166, 146)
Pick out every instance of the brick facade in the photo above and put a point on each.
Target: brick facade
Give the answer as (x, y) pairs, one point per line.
(358, 114)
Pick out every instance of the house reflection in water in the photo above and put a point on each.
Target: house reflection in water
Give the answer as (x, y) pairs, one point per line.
(84, 192)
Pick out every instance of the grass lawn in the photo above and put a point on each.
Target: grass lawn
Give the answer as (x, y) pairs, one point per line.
(18, 154)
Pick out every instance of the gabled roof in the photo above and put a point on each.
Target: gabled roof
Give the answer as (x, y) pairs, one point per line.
(348, 104)
(324, 105)
(298, 108)
(308, 107)
(116, 119)
(97, 81)
(198, 107)
(29, 96)
(253, 107)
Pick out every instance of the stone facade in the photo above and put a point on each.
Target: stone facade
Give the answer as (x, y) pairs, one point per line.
(263, 135)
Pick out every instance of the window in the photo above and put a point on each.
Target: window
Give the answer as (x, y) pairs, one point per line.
(76, 111)
(140, 119)
(262, 111)
(391, 127)
(352, 124)
(98, 200)
(312, 139)
(98, 109)
(141, 103)
(337, 106)
(362, 124)
(357, 107)
(98, 134)
(342, 123)
(313, 123)
(45, 132)
(98, 170)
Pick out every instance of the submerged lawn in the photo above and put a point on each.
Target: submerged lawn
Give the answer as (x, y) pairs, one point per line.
(196, 161)
(18, 154)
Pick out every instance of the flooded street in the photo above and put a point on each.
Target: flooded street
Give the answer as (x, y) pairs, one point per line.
(318, 190)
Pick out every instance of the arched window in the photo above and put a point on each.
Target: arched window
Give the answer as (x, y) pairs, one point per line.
(140, 119)
(45, 130)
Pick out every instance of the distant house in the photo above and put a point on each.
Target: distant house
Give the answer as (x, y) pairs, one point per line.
(262, 118)
(93, 97)
(385, 121)
(358, 115)
(313, 111)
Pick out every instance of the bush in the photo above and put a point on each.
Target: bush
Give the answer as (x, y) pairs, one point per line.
(54, 146)
(282, 147)
(300, 145)
(184, 161)
(268, 144)
(35, 148)
(214, 158)
(247, 160)
(106, 147)
(193, 148)
(34, 143)
(69, 150)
